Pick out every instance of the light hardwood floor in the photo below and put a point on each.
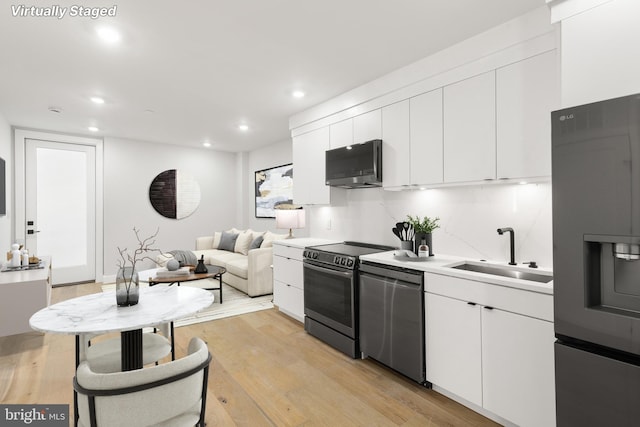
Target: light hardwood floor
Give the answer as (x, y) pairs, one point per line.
(266, 371)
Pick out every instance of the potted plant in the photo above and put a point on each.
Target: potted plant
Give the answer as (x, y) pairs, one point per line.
(127, 283)
(423, 228)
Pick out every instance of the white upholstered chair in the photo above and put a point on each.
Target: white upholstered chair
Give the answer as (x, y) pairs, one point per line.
(167, 395)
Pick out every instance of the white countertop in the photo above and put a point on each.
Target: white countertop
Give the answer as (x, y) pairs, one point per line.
(303, 242)
(26, 276)
(440, 264)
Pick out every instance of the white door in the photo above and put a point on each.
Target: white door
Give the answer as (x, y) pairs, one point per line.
(60, 204)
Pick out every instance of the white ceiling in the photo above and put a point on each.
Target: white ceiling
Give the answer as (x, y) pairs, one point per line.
(191, 71)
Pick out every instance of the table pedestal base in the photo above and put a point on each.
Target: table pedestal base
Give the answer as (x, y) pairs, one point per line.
(131, 356)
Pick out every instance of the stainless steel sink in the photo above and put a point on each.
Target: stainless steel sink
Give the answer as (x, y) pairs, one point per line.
(505, 272)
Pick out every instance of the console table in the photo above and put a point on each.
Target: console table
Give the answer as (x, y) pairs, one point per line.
(22, 293)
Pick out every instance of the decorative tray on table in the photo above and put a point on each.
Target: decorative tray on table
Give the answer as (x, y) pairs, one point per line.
(34, 266)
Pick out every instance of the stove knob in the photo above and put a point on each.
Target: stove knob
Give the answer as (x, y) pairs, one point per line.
(336, 260)
(350, 263)
(315, 255)
(343, 262)
(305, 254)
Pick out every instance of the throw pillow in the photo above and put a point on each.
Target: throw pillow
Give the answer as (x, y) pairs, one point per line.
(269, 237)
(216, 240)
(243, 242)
(228, 241)
(255, 244)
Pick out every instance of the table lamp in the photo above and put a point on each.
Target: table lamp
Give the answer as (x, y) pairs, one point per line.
(291, 219)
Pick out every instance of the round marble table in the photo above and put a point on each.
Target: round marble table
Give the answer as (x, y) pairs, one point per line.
(99, 314)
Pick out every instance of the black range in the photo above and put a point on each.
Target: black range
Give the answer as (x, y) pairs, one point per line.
(331, 292)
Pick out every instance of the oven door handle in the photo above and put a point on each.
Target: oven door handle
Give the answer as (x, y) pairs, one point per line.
(328, 270)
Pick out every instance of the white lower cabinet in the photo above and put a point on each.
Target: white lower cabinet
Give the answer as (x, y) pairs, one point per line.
(518, 368)
(288, 282)
(454, 352)
(478, 347)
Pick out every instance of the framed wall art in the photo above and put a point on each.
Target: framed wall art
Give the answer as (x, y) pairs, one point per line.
(274, 187)
(174, 194)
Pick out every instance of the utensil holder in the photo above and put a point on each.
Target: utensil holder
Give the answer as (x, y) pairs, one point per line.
(406, 244)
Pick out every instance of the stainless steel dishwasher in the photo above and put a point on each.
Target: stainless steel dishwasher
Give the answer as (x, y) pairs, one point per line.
(392, 318)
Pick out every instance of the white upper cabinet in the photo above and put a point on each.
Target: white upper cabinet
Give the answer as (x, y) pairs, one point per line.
(527, 92)
(356, 130)
(396, 151)
(426, 138)
(367, 126)
(412, 138)
(341, 134)
(309, 168)
(470, 129)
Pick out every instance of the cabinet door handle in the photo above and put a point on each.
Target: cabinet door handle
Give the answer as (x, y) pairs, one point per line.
(471, 303)
(488, 307)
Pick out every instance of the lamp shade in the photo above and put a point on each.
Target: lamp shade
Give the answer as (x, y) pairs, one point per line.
(290, 218)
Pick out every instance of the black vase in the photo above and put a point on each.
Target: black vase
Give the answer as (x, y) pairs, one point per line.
(201, 268)
(426, 238)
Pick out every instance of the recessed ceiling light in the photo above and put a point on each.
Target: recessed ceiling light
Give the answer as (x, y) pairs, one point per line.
(523, 182)
(93, 129)
(298, 94)
(206, 144)
(243, 128)
(108, 34)
(97, 100)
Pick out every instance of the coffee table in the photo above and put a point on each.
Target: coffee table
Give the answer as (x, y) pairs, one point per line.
(214, 272)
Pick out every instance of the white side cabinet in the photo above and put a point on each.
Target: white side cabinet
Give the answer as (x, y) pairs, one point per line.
(492, 346)
(22, 294)
(309, 163)
(527, 92)
(470, 129)
(288, 283)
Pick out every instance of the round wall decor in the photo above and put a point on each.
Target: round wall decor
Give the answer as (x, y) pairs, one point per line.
(174, 194)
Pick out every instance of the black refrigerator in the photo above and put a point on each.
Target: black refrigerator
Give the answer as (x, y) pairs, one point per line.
(596, 262)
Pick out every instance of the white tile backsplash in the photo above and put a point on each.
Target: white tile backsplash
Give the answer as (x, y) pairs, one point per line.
(469, 218)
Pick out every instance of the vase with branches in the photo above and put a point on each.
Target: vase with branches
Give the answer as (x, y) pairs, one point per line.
(127, 282)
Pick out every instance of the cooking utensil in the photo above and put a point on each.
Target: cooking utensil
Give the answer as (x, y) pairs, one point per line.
(396, 232)
(400, 228)
(406, 226)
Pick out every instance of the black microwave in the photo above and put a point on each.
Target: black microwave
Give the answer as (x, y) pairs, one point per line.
(355, 166)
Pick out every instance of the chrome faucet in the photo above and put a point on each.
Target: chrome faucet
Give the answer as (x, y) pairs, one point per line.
(501, 231)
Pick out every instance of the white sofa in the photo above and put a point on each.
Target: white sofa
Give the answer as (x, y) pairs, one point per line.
(248, 270)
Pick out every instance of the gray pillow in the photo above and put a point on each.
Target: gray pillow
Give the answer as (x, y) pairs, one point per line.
(228, 241)
(256, 242)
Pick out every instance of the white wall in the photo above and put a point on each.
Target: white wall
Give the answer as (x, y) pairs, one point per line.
(6, 152)
(599, 53)
(129, 168)
(469, 217)
(277, 154)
